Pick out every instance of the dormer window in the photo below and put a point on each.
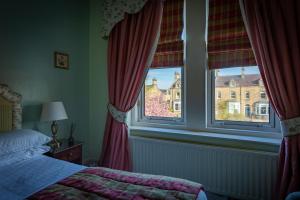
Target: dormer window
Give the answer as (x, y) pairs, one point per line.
(232, 83)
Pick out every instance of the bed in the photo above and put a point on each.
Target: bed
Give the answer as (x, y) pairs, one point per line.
(25, 173)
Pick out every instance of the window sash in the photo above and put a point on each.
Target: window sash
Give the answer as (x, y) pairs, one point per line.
(227, 124)
(161, 120)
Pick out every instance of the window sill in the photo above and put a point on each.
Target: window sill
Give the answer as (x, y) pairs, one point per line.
(209, 138)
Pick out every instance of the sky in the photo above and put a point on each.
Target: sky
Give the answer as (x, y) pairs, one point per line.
(237, 71)
(165, 77)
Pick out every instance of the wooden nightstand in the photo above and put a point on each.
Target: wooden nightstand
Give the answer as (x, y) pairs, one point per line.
(65, 152)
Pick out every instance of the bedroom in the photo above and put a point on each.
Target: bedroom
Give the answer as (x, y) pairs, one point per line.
(31, 32)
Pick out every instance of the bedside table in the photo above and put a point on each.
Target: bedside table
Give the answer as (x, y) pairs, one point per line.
(72, 153)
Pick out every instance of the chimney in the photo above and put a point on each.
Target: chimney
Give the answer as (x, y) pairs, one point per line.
(154, 82)
(177, 76)
(242, 72)
(217, 73)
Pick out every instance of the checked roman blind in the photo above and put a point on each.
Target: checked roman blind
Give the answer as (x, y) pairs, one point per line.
(228, 44)
(169, 51)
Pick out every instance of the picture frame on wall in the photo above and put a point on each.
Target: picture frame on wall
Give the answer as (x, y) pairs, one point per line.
(61, 60)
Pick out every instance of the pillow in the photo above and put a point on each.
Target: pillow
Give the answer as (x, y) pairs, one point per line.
(23, 155)
(19, 140)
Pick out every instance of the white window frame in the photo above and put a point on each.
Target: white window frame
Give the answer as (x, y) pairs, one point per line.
(233, 106)
(259, 106)
(271, 126)
(140, 117)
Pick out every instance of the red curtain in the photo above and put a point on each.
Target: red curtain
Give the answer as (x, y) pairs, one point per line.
(130, 44)
(274, 31)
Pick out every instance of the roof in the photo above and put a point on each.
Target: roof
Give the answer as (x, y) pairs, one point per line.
(175, 82)
(246, 81)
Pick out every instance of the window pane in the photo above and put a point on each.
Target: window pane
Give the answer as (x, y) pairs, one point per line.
(163, 93)
(240, 95)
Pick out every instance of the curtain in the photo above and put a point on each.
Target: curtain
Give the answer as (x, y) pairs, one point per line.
(169, 50)
(129, 47)
(228, 44)
(274, 31)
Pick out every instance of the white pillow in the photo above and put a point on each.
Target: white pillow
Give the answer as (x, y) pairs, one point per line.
(19, 140)
(23, 155)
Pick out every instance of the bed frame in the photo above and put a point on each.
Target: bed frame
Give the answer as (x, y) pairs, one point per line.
(10, 109)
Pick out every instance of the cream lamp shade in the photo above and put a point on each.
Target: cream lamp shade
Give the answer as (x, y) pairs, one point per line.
(53, 111)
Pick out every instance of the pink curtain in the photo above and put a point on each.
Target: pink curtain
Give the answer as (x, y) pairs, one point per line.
(130, 44)
(274, 31)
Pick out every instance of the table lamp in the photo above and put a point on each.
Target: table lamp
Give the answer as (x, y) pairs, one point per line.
(54, 111)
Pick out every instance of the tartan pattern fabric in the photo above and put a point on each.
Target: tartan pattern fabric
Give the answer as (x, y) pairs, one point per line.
(228, 44)
(169, 50)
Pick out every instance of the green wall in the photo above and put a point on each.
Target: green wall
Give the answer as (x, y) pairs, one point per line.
(98, 80)
(31, 31)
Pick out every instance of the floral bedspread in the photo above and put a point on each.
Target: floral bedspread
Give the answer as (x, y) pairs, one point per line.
(103, 183)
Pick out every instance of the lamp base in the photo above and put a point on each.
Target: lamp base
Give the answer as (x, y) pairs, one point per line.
(54, 144)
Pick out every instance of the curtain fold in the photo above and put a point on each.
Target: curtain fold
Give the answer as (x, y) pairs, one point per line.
(273, 27)
(228, 44)
(130, 44)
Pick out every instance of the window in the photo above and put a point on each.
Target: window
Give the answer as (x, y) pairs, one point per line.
(233, 94)
(234, 107)
(262, 109)
(247, 95)
(247, 78)
(161, 100)
(162, 93)
(206, 99)
(177, 106)
(262, 95)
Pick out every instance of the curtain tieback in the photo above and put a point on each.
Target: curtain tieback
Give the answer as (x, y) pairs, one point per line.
(290, 127)
(117, 114)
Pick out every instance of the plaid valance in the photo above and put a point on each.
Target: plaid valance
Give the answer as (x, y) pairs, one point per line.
(169, 50)
(228, 44)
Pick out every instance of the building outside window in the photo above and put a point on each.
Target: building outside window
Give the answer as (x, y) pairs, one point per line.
(162, 95)
(247, 80)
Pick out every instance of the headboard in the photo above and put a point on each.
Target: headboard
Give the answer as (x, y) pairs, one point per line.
(10, 109)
